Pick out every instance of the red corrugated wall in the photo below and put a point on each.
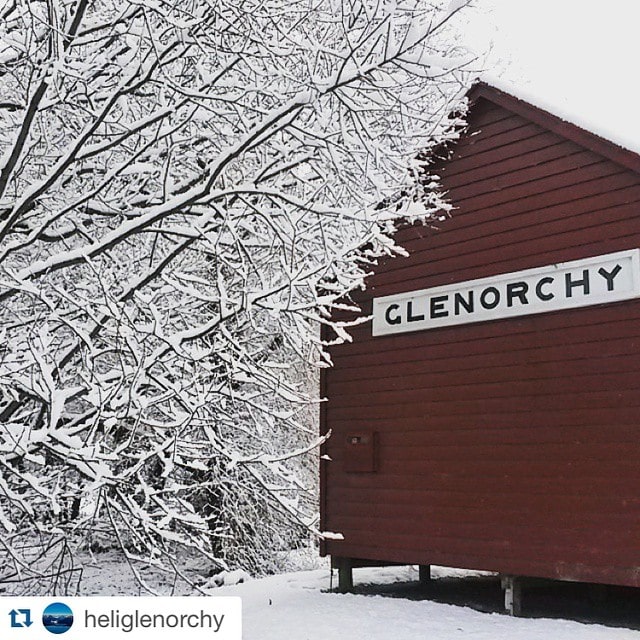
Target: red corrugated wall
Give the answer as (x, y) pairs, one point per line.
(511, 445)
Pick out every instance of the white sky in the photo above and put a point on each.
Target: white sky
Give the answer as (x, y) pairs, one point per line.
(581, 54)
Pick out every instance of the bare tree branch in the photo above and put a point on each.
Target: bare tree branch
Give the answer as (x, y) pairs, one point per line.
(188, 191)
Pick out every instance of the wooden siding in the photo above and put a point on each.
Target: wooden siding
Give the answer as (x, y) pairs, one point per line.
(511, 445)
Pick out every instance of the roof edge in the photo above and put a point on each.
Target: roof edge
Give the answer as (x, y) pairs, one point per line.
(549, 120)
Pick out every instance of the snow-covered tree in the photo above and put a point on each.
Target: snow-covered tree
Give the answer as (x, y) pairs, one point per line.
(187, 189)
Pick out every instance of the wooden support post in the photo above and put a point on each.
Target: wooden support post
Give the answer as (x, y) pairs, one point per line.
(424, 573)
(345, 575)
(512, 595)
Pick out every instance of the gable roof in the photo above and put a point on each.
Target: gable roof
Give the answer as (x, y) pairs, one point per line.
(553, 119)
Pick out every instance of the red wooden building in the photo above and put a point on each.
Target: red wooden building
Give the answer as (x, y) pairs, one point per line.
(489, 417)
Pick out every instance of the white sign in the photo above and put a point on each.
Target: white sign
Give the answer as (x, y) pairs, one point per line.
(599, 280)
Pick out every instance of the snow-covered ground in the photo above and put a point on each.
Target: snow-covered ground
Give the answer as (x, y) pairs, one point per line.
(299, 606)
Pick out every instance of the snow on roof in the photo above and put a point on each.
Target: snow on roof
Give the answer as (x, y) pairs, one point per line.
(616, 123)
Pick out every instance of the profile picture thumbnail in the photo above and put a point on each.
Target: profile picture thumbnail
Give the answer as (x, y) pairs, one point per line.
(57, 618)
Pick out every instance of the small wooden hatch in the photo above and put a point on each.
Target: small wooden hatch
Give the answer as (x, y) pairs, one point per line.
(361, 452)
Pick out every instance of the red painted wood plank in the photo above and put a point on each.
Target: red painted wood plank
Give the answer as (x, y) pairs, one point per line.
(459, 373)
(413, 491)
(614, 222)
(541, 149)
(535, 210)
(603, 354)
(546, 185)
(614, 424)
(572, 206)
(509, 404)
(487, 118)
(472, 145)
(451, 507)
(513, 175)
(513, 249)
(601, 538)
(541, 550)
(542, 142)
(588, 332)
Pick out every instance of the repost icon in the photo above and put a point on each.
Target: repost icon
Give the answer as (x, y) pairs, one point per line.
(20, 618)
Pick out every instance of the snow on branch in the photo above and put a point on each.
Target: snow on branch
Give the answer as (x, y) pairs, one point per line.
(188, 191)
